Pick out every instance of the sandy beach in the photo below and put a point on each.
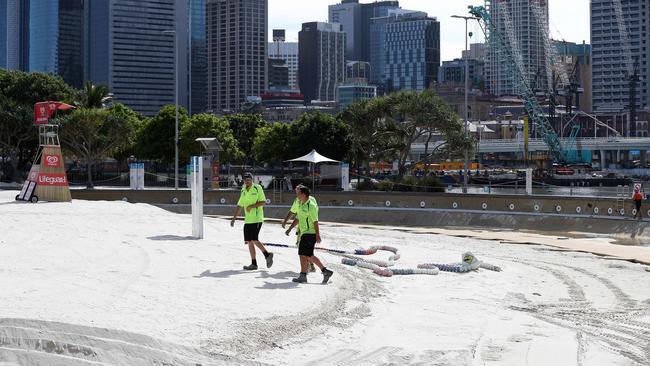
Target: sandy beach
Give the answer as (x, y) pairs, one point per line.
(114, 283)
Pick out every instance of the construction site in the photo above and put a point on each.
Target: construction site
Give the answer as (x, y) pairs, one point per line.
(547, 103)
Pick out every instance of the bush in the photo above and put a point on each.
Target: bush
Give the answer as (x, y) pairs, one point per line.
(367, 185)
(407, 184)
(386, 185)
(430, 184)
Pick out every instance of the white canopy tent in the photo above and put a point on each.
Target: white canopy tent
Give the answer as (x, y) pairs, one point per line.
(314, 158)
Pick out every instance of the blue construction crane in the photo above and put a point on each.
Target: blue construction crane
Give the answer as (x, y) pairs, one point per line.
(515, 65)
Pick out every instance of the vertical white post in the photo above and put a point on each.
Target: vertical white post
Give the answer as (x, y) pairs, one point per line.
(197, 196)
(345, 176)
(133, 176)
(529, 181)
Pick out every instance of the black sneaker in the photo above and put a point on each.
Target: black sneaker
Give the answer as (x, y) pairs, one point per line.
(326, 275)
(250, 267)
(269, 260)
(302, 278)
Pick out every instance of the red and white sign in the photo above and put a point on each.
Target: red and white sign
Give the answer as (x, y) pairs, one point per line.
(52, 161)
(52, 179)
(43, 111)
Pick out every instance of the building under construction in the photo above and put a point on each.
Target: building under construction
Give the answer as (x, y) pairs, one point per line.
(518, 17)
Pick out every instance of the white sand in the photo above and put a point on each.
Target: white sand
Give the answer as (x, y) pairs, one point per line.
(115, 283)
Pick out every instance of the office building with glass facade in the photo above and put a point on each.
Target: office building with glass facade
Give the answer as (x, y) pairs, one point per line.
(56, 39)
(412, 52)
(10, 34)
(356, 20)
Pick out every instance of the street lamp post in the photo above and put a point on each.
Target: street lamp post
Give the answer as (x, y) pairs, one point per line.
(173, 32)
(465, 118)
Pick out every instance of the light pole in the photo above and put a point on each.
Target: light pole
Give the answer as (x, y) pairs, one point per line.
(176, 103)
(465, 118)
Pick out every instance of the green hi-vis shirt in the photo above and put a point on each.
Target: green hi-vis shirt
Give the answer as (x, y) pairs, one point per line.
(250, 197)
(296, 204)
(307, 215)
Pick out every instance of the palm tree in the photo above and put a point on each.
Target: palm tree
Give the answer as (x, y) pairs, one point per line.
(94, 96)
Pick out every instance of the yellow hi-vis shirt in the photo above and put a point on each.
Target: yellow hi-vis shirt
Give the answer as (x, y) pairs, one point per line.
(296, 204)
(250, 197)
(307, 215)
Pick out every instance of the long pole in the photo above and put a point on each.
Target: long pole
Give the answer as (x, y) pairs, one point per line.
(176, 102)
(465, 177)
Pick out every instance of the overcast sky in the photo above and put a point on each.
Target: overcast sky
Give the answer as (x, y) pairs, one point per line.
(569, 19)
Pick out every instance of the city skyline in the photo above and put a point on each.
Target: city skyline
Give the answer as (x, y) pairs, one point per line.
(568, 20)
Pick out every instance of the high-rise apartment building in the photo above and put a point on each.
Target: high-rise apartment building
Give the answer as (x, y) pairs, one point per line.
(523, 22)
(617, 40)
(321, 60)
(356, 19)
(287, 51)
(237, 56)
(412, 51)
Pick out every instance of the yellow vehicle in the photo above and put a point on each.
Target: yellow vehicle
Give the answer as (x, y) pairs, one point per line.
(447, 166)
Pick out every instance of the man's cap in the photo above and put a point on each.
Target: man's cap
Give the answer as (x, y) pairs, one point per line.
(248, 175)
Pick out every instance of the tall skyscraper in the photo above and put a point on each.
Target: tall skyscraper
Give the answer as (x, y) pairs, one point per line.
(10, 35)
(237, 61)
(321, 60)
(56, 38)
(518, 16)
(412, 51)
(378, 43)
(614, 54)
(132, 48)
(198, 63)
(355, 19)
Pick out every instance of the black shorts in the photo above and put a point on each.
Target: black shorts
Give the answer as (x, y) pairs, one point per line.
(637, 204)
(307, 244)
(251, 231)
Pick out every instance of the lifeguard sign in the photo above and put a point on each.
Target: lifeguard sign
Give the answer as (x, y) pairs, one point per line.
(47, 180)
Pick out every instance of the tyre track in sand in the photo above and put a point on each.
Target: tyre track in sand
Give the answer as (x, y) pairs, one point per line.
(255, 335)
(621, 329)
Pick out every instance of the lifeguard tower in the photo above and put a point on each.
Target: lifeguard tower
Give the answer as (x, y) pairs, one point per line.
(47, 180)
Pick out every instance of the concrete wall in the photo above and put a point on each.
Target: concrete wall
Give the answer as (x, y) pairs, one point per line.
(538, 213)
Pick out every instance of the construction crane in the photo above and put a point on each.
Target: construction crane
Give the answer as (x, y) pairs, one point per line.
(631, 72)
(507, 44)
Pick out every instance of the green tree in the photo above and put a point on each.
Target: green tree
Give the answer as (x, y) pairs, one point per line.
(155, 139)
(94, 96)
(93, 134)
(244, 127)
(413, 116)
(368, 133)
(272, 143)
(320, 131)
(208, 125)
